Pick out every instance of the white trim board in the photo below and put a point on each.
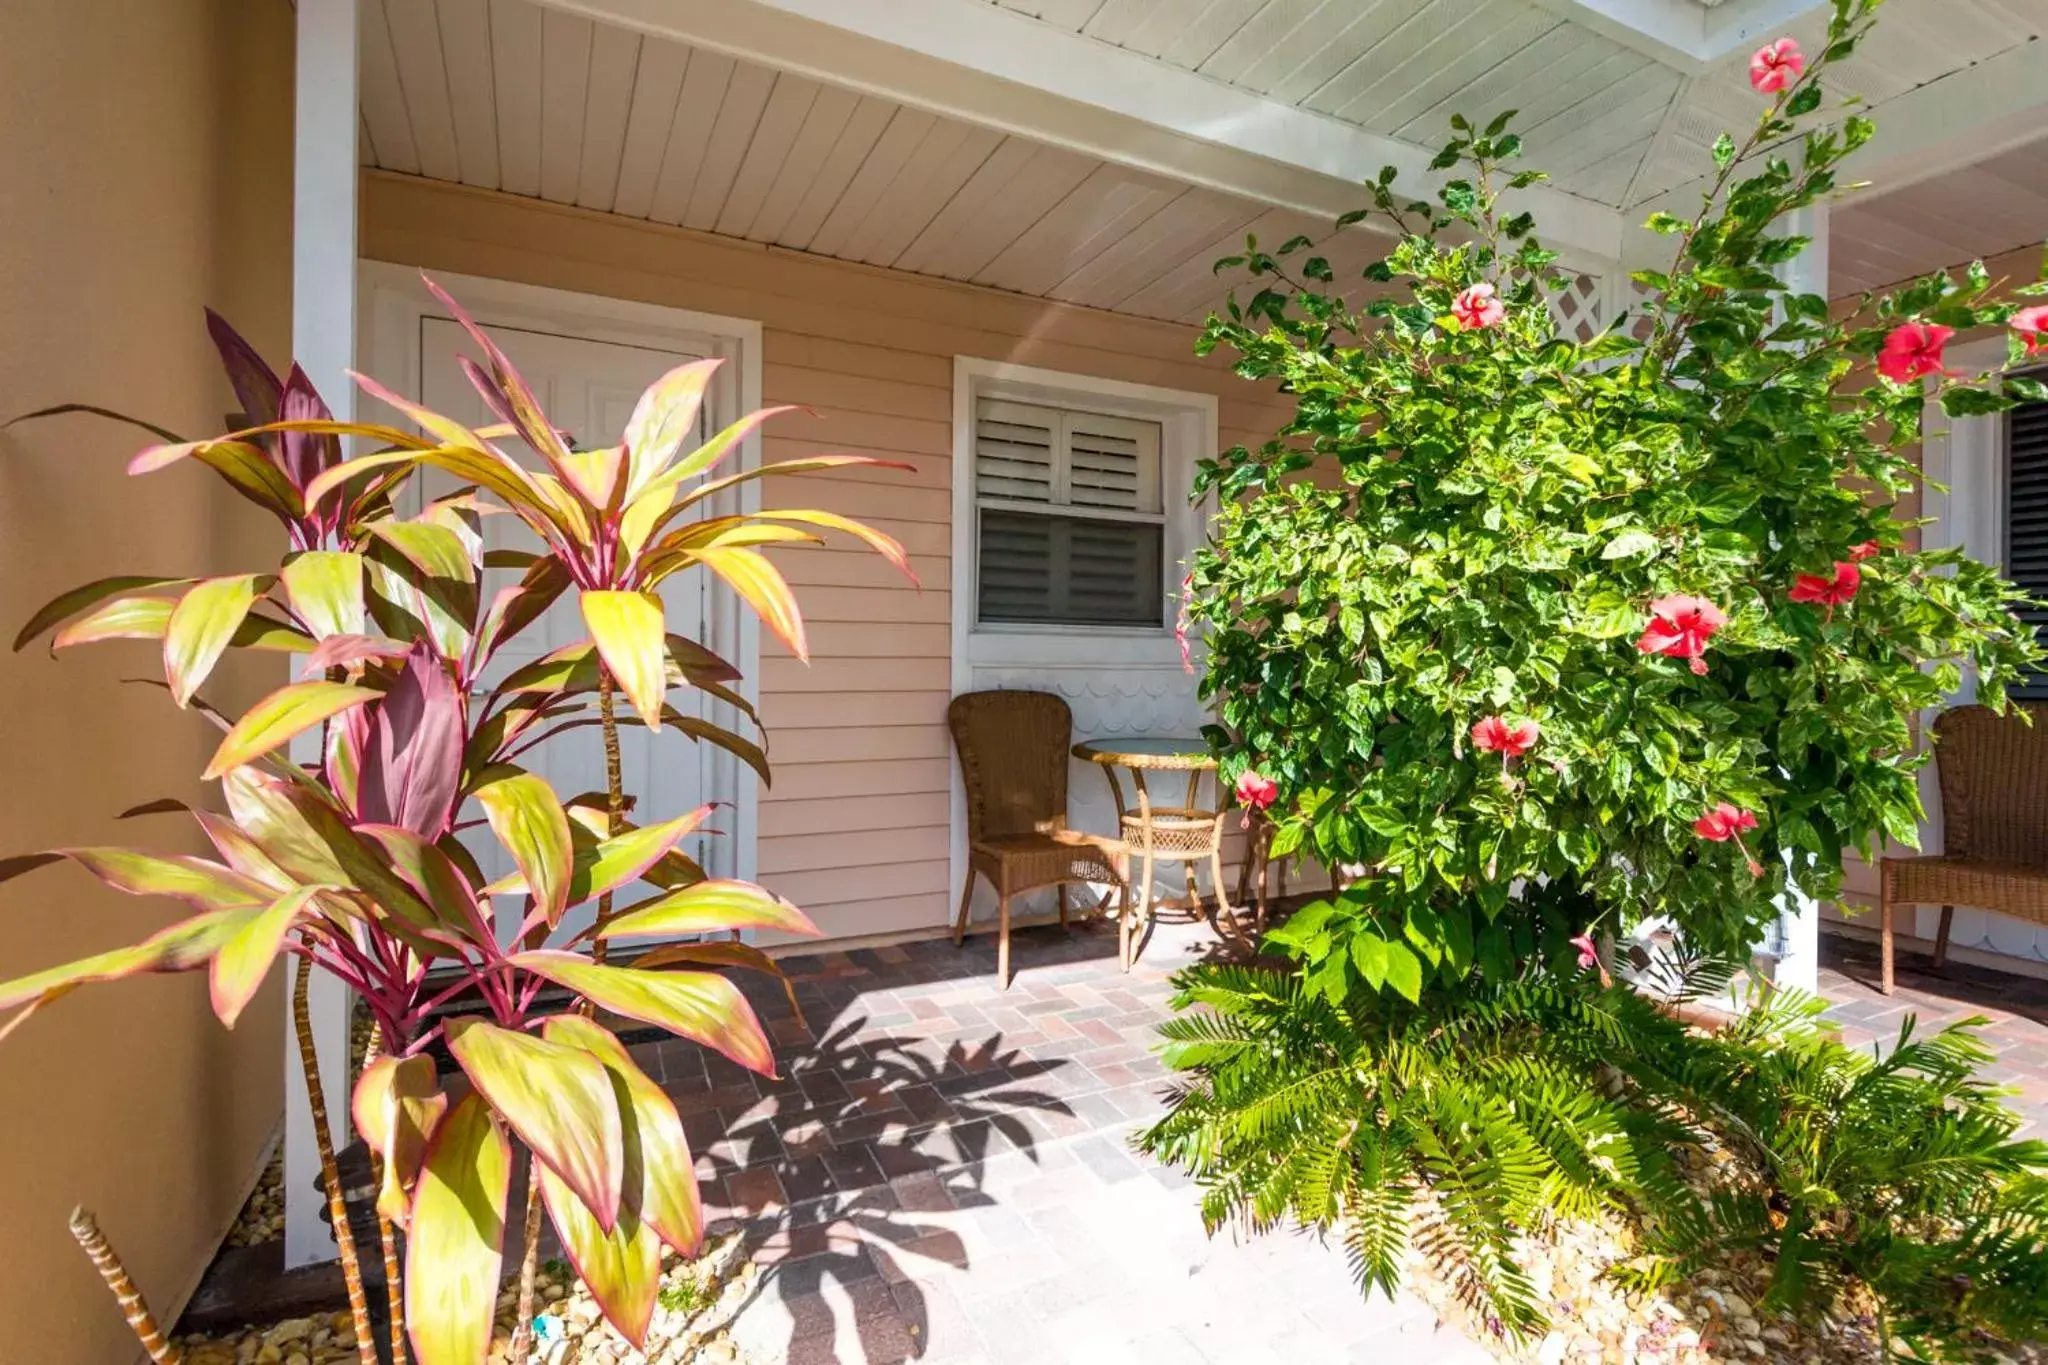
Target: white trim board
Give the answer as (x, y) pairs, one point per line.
(324, 334)
(1131, 676)
(394, 301)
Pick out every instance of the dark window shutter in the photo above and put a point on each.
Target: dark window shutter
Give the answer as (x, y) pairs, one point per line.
(2026, 517)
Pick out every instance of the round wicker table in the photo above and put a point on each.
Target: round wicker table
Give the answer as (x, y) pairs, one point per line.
(1186, 834)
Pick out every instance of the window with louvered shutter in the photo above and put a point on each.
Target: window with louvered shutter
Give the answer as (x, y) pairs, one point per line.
(1070, 528)
(2026, 516)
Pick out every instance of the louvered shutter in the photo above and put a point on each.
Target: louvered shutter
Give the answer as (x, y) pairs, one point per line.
(1014, 451)
(2026, 516)
(1070, 525)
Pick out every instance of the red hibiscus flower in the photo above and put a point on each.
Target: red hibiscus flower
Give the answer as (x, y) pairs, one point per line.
(1725, 822)
(1830, 592)
(1913, 349)
(1775, 66)
(1495, 735)
(1255, 792)
(1860, 552)
(2031, 323)
(1478, 307)
(1680, 628)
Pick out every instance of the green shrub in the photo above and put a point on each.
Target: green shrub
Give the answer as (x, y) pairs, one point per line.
(1563, 634)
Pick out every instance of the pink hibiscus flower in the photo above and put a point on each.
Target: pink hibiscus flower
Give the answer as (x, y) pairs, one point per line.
(1913, 349)
(1727, 822)
(1589, 955)
(1775, 66)
(1680, 627)
(1864, 550)
(1478, 307)
(1494, 735)
(2031, 324)
(1255, 792)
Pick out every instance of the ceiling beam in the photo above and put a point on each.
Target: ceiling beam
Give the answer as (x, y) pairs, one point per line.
(1683, 34)
(1005, 70)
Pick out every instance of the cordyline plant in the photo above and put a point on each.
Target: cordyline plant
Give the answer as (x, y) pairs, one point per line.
(355, 864)
(1584, 632)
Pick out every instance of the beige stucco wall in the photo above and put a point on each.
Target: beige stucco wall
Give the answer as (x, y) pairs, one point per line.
(145, 147)
(855, 828)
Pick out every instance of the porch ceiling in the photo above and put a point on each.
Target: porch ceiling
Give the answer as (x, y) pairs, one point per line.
(1610, 106)
(1106, 152)
(537, 101)
(1996, 205)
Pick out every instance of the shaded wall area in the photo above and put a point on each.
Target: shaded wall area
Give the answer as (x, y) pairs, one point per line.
(146, 148)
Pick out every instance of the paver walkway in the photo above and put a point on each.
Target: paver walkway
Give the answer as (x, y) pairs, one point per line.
(2016, 1008)
(943, 1173)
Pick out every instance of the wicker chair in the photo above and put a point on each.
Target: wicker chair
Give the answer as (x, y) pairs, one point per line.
(1013, 763)
(1994, 811)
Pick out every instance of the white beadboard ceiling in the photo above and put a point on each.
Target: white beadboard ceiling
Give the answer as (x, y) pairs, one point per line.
(509, 95)
(517, 96)
(1999, 204)
(1608, 122)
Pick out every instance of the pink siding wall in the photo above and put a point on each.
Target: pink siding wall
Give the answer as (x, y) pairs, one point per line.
(855, 828)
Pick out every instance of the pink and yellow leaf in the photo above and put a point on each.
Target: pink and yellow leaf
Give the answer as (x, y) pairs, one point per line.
(700, 1006)
(238, 968)
(396, 1106)
(455, 1245)
(273, 721)
(660, 1178)
(709, 907)
(558, 1099)
(630, 631)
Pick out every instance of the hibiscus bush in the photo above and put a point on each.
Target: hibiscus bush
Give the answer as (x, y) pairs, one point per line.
(1540, 637)
(1569, 633)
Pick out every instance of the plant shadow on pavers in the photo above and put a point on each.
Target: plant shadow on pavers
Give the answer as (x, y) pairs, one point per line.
(905, 1084)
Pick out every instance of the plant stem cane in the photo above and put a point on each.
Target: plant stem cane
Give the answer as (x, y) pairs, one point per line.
(337, 1205)
(141, 1321)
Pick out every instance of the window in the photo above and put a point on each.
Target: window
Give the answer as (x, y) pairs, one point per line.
(1070, 526)
(2026, 516)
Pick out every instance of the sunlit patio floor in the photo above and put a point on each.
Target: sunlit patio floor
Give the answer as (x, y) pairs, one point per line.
(944, 1173)
(944, 1170)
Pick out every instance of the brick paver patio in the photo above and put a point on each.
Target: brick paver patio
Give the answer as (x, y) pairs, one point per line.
(944, 1173)
(2015, 1006)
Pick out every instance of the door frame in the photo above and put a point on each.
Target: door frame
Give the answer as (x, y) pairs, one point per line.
(392, 302)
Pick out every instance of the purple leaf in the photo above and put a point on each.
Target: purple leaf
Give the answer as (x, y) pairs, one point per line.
(412, 755)
(255, 384)
(305, 453)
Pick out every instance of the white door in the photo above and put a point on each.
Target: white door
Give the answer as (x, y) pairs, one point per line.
(589, 389)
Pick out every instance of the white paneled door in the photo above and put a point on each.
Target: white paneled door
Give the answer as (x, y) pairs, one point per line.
(589, 389)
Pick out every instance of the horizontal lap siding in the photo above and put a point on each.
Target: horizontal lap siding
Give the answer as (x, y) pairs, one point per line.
(855, 826)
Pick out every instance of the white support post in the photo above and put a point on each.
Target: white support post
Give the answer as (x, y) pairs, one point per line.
(323, 341)
(1795, 940)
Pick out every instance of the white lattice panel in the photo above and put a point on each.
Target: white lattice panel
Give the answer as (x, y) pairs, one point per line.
(1576, 306)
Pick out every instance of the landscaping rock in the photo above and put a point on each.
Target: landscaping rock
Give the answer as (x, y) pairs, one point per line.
(699, 1300)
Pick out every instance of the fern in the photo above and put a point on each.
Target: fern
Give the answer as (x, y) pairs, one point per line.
(1451, 1127)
